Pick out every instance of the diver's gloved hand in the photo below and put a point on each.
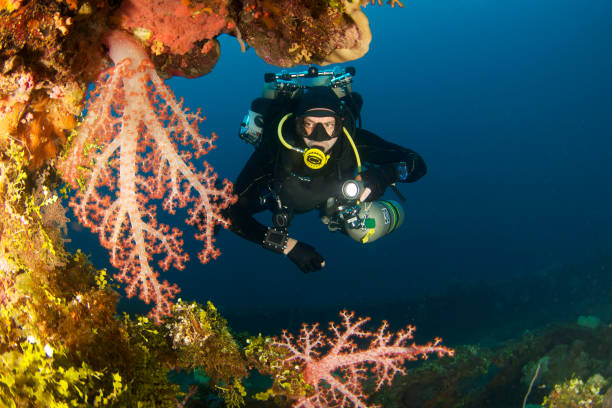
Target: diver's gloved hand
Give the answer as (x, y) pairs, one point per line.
(306, 258)
(376, 179)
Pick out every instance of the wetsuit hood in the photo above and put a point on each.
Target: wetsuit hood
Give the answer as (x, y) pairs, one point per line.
(319, 101)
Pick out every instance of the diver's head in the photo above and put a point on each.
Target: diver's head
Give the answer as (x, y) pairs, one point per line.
(319, 118)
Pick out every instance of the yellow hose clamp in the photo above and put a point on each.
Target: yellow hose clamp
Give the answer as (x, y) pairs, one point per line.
(315, 158)
(367, 236)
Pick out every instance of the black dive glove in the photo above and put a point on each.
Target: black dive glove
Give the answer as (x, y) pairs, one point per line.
(305, 257)
(377, 179)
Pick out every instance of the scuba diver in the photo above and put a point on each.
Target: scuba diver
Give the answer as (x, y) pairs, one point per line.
(311, 155)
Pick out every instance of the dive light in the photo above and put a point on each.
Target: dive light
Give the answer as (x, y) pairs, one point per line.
(351, 190)
(363, 222)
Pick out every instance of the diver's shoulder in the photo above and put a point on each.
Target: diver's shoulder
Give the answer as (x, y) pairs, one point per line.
(364, 135)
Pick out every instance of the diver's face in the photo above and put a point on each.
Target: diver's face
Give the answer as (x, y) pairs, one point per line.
(328, 123)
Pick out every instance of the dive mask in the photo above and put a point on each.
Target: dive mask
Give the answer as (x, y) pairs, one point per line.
(319, 134)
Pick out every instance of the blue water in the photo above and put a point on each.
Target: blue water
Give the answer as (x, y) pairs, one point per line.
(509, 105)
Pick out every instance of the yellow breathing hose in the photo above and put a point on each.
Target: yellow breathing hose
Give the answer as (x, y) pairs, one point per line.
(350, 139)
(280, 134)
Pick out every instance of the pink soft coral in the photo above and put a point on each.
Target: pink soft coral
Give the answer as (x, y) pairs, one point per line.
(127, 150)
(352, 355)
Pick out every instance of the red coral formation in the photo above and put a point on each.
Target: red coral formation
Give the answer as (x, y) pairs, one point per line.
(175, 24)
(194, 63)
(180, 34)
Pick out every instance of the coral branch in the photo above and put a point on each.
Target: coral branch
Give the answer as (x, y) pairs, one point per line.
(337, 376)
(127, 150)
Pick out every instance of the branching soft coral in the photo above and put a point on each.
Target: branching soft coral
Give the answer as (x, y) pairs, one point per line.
(318, 370)
(126, 153)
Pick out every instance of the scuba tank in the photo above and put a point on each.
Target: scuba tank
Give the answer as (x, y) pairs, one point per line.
(363, 222)
(379, 219)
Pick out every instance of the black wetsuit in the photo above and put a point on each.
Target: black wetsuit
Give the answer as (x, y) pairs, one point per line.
(273, 167)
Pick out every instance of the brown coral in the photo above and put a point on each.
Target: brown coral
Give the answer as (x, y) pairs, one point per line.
(50, 52)
(291, 32)
(42, 120)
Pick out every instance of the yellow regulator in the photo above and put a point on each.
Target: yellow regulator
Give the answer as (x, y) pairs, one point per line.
(315, 158)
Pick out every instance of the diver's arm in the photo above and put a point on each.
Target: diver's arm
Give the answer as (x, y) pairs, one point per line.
(301, 254)
(247, 187)
(244, 224)
(376, 150)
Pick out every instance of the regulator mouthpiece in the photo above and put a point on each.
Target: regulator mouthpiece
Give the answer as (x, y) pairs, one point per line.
(315, 158)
